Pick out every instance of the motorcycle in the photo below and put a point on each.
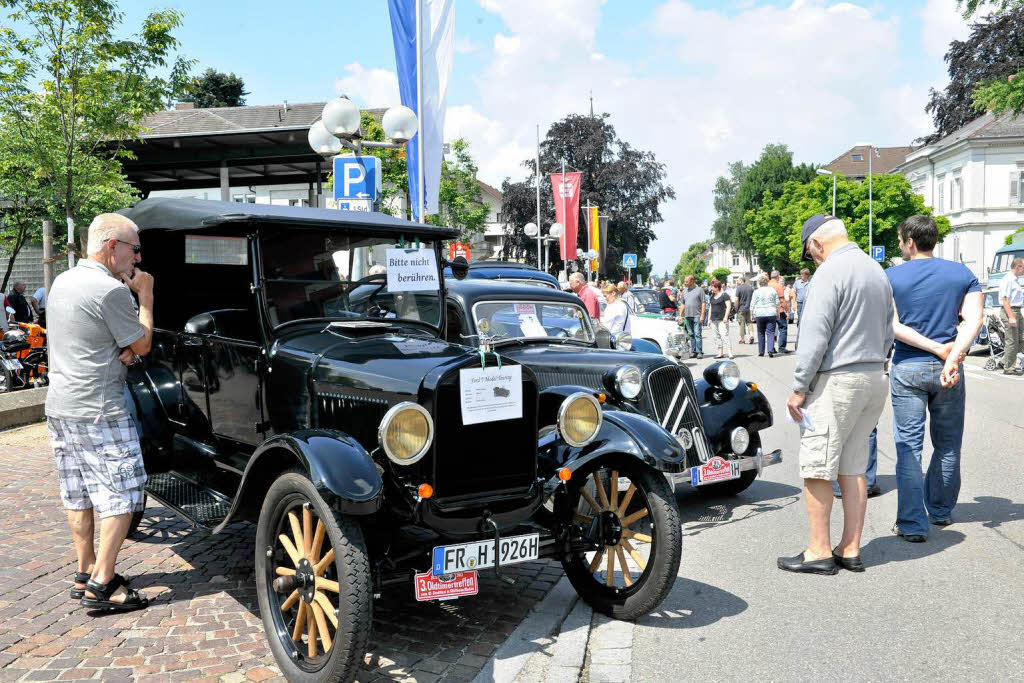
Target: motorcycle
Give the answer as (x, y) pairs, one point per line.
(23, 358)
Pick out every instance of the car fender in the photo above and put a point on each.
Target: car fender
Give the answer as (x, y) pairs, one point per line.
(151, 391)
(722, 411)
(645, 346)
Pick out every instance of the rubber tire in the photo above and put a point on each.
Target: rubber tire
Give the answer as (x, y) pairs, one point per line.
(137, 517)
(353, 567)
(729, 488)
(665, 557)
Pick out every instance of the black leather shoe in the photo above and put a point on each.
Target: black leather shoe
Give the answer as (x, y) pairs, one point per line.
(942, 522)
(913, 538)
(798, 564)
(875, 490)
(852, 564)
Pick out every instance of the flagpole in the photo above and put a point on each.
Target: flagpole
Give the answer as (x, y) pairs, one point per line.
(419, 105)
(565, 217)
(590, 236)
(539, 237)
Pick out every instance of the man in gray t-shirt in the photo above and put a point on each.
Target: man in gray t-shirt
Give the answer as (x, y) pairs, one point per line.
(94, 333)
(691, 310)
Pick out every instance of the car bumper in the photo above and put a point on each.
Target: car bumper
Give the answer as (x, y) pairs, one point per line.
(758, 462)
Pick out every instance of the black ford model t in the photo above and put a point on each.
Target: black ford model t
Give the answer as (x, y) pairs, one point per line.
(300, 378)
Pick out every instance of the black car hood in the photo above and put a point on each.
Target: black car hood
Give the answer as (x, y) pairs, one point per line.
(570, 364)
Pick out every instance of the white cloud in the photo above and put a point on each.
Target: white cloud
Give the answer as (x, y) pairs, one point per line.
(369, 87)
(941, 23)
(463, 45)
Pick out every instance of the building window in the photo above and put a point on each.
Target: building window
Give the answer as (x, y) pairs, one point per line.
(1016, 188)
(735, 259)
(245, 198)
(499, 217)
(753, 261)
(940, 203)
(857, 157)
(956, 195)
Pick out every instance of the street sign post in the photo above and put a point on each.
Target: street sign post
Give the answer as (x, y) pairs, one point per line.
(357, 178)
(629, 263)
(878, 253)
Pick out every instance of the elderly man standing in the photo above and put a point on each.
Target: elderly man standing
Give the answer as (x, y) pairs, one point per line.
(840, 384)
(1011, 298)
(578, 284)
(691, 312)
(94, 332)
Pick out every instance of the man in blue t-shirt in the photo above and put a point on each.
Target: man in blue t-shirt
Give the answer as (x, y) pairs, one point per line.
(930, 295)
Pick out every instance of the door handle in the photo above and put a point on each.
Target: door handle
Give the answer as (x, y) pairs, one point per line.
(192, 341)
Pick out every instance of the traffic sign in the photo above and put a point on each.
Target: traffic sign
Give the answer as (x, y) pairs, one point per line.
(629, 260)
(350, 205)
(357, 178)
(878, 253)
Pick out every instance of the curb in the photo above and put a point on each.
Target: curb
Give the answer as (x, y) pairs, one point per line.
(22, 407)
(530, 636)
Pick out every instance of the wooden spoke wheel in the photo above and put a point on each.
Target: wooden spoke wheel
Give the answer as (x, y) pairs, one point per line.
(313, 582)
(628, 513)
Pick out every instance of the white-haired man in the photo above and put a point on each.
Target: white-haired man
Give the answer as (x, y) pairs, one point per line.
(839, 382)
(94, 333)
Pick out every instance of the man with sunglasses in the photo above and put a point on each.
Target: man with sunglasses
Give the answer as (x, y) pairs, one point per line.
(94, 333)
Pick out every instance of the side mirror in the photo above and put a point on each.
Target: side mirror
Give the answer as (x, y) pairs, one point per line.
(203, 323)
(460, 267)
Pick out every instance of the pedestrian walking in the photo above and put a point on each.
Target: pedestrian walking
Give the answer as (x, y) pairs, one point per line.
(743, 294)
(578, 284)
(800, 287)
(764, 306)
(839, 386)
(783, 317)
(616, 316)
(19, 302)
(667, 297)
(628, 297)
(40, 304)
(1011, 298)
(93, 333)
(721, 306)
(930, 296)
(692, 311)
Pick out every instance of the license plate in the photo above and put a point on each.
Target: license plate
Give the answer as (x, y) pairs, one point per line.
(12, 364)
(446, 586)
(480, 554)
(714, 470)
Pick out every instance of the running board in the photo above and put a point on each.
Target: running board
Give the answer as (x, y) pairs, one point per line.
(199, 505)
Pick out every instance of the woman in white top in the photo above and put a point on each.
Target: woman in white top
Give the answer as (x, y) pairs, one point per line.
(616, 316)
(764, 307)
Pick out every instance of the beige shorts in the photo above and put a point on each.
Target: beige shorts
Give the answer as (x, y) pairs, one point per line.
(843, 408)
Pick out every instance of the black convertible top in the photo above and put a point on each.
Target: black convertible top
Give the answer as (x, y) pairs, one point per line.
(171, 213)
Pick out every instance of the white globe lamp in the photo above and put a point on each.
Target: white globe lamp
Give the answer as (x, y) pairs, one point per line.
(556, 230)
(400, 123)
(531, 230)
(321, 140)
(341, 117)
(592, 254)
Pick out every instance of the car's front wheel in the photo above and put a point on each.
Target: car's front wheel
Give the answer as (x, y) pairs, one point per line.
(628, 511)
(313, 583)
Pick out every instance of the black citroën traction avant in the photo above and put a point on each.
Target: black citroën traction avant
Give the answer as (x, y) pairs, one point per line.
(300, 378)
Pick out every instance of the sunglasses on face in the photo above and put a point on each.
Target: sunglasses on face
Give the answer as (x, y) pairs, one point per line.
(136, 248)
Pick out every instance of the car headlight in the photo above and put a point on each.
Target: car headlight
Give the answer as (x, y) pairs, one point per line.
(623, 341)
(739, 439)
(725, 374)
(579, 419)
(405, 433)
(628, 381)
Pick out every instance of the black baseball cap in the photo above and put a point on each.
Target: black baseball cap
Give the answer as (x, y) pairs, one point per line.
(811, 225)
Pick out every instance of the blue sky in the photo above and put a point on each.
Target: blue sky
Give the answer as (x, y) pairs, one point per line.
(699, 83)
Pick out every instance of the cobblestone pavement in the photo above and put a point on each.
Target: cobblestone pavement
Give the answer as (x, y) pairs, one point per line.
(203, 622)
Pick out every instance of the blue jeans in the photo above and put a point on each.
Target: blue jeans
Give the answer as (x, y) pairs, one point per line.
(766, 328)
(693, 326)
(916, 391)
(799, 319)
(783, 325)
(872, 474)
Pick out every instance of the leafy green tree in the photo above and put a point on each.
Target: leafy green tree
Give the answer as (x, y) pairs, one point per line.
(969, 7)
(519, 207)
(765, 179)
(721, 274)
(1009, 238)
(72, 91)
(216, 89)
(459, 195)
(728, 227)
(775, 226)
(978, 68)
(693, 262)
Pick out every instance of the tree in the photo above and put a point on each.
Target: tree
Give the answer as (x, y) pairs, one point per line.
(519, 207)
(693, 262)
(72, 91)
(775, 226)
(459, 196)
(993, 52)
(972, 6)
(728, 227)
(627, 184)
(765, 179)
(216, 89)
(1009, 238)
(721, 274)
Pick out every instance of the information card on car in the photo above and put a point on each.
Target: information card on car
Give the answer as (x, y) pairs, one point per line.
(491, 394)
(412, 270)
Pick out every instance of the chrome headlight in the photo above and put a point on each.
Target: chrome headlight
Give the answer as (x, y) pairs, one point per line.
(406, 433)
(724, 374)
(628, 381)
(579, 419)
(739, 439)
(623, 341)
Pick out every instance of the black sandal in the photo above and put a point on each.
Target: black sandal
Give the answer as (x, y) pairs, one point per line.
(83, 577)
(103, 593)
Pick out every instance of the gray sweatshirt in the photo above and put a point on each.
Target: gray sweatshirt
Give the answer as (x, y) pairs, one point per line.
(847, 319)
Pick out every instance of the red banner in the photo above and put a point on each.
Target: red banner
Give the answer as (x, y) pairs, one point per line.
(566, 190)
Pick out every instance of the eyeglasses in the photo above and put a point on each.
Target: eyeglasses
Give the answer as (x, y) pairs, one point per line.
(136, 248)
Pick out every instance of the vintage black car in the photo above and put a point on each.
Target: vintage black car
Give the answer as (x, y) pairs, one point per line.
(716, 419)
(301, 378)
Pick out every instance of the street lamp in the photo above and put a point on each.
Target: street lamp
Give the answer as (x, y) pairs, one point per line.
(592, 256)
(554, 233)
(872, 152)
(825, 171)
(533, 230)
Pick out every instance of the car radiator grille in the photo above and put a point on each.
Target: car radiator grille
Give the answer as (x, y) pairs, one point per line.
(358, 416)
(549, 378)
(674, 400)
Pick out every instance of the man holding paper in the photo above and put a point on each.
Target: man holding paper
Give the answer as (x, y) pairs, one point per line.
(839, 388)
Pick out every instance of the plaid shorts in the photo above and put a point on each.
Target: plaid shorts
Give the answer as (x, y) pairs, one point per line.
(99, 464)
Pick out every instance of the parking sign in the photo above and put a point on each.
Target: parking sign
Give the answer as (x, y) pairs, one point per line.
(357, 178)
(878, 253)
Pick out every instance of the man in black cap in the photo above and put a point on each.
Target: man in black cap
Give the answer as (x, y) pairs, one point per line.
(840, 384)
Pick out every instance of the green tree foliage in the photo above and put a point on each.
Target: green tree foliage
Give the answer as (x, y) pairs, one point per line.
(765, 179)
(693, 262)
(729, 227)
(460, 200)
(1001, 96)
(627, 184)
(519, 207)
(72, 91)
(1009, 238)
(978, 68)
(721, 274)
(216, 89)
(969, 7)
(775, 226)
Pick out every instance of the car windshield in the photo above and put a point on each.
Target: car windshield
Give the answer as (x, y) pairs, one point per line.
(532, 320)
(315, 274)
(992, 298)
(646, 297)
(1004, 260)
(526, 281)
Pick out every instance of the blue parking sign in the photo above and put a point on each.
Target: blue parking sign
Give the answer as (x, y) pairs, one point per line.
(357, 178)
(878, 253)
(629, 260)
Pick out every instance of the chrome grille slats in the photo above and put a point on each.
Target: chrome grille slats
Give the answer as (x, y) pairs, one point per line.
(359, 416)
(550, 378)
(674, 401)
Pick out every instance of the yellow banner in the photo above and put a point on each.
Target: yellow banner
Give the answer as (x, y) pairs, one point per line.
(595, 236)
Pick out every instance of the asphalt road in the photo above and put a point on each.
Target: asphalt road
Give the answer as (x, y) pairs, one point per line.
(948, 609)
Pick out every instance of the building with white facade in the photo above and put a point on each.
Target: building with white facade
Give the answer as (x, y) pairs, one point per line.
(722, 256)
(974, 177)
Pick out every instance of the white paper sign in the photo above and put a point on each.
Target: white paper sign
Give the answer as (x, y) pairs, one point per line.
(491, 394)
(412, 270)
(530, 326)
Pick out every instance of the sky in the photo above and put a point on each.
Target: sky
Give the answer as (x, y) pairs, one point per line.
(699, 83)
